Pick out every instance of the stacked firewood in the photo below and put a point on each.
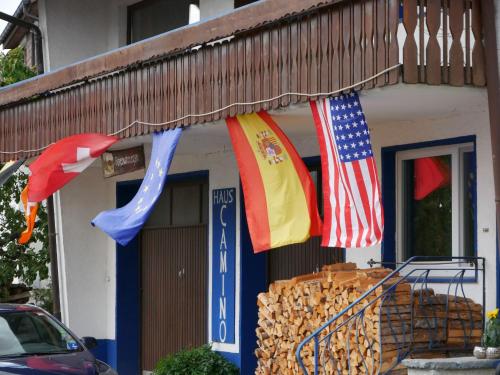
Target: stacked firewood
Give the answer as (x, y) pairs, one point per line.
(375, 340)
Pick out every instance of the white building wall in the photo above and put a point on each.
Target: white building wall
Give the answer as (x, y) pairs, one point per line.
(75, 30)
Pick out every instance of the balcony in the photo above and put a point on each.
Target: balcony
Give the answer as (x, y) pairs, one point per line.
(273, 49)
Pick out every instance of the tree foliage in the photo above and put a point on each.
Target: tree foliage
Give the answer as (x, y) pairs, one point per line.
(12, 67)
(26, 262)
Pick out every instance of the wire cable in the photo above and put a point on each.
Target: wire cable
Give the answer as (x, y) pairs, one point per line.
(236, 104)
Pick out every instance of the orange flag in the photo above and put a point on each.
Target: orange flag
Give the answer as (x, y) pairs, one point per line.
(30, 211)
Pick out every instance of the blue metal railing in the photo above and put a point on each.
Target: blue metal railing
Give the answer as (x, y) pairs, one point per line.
(399, 330)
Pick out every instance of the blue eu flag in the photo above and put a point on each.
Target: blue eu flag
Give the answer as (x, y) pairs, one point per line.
(123, 224)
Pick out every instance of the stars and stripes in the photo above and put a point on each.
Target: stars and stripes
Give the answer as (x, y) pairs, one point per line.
(353, 214)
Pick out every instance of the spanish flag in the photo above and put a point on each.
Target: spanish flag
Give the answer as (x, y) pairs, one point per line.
(280, 196)
(30, 210)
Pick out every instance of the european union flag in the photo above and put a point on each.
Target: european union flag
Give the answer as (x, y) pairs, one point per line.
(123, 224)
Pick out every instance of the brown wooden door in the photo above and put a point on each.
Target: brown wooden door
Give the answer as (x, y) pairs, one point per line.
(299, 259)
(174, 291)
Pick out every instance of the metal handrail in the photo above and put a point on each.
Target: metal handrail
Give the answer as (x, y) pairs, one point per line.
(422, 278)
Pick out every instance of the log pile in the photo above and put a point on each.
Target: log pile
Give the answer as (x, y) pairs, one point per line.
(292, 309)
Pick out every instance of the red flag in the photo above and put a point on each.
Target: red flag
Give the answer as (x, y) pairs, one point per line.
(430, 174)
(63, 161)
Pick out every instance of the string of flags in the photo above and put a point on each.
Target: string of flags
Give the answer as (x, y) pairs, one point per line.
(280, 196)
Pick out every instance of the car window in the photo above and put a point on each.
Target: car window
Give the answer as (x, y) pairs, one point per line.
(33, 332)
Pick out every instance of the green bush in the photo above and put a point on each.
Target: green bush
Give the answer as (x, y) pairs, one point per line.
(198, 361)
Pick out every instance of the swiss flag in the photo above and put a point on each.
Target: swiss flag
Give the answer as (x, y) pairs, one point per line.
(63, 161)
(430, 174)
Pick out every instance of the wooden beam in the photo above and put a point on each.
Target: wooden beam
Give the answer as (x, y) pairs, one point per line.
(239, 20)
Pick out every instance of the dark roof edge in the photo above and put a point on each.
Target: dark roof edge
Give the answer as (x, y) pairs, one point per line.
(19, 13)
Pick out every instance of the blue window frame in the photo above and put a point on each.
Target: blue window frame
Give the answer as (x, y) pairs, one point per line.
(409, 215)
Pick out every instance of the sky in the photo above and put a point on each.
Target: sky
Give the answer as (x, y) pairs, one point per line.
(9, 7)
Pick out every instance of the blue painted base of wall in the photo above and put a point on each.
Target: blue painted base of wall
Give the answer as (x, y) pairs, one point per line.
(232, 357)
(106, 351)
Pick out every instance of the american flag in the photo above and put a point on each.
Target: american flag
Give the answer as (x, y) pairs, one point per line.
(353, 215)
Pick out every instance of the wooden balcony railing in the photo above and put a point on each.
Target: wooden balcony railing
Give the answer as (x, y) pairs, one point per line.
(444, 42)
(276, 47)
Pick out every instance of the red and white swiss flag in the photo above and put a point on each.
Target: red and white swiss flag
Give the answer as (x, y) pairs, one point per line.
(63, 161)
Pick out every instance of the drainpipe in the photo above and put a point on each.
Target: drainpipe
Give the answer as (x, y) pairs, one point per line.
(56, 304)
(38, 36)
(491, 19)
(54, 271)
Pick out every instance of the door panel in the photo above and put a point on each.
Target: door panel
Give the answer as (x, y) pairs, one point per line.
(174, 291)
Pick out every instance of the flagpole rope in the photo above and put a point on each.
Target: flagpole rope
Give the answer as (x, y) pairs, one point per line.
(196, 115)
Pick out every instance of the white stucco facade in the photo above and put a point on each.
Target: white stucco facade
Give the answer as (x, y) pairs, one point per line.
(75, 30)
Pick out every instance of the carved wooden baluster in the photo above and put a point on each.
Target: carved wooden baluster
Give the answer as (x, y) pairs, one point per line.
(171, 90)
(357, 57)
(381, 41)
(392, 30)
(198, 84)
(285, 63)
(468, 73)
(421, 40)
(346, 45)
(313, 61)
(125, 99)
(274, 66)
(410, 65)
(240, 64)
(294, 85)
(233, 77)
(478, 63)
(369, 16)
(456, 51)
(179, 88)
(445, 70)
(256, 71)
(303, 53)
(433, 50)
(325, 53)
(215, 77)
(265, 72)
(249, 79)
(185, 87)
(192, 85)
(303, 46)
(336, 50)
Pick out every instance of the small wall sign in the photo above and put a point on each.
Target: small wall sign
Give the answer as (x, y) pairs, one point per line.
(119, 162)
(223, 265)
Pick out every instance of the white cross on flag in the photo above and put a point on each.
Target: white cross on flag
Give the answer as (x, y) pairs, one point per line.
(63, 161)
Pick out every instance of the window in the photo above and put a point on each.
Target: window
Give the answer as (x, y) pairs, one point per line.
(152, 17)
(181, 204)
(436, 201)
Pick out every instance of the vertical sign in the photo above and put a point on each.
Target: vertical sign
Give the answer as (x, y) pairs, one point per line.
(223, 265)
